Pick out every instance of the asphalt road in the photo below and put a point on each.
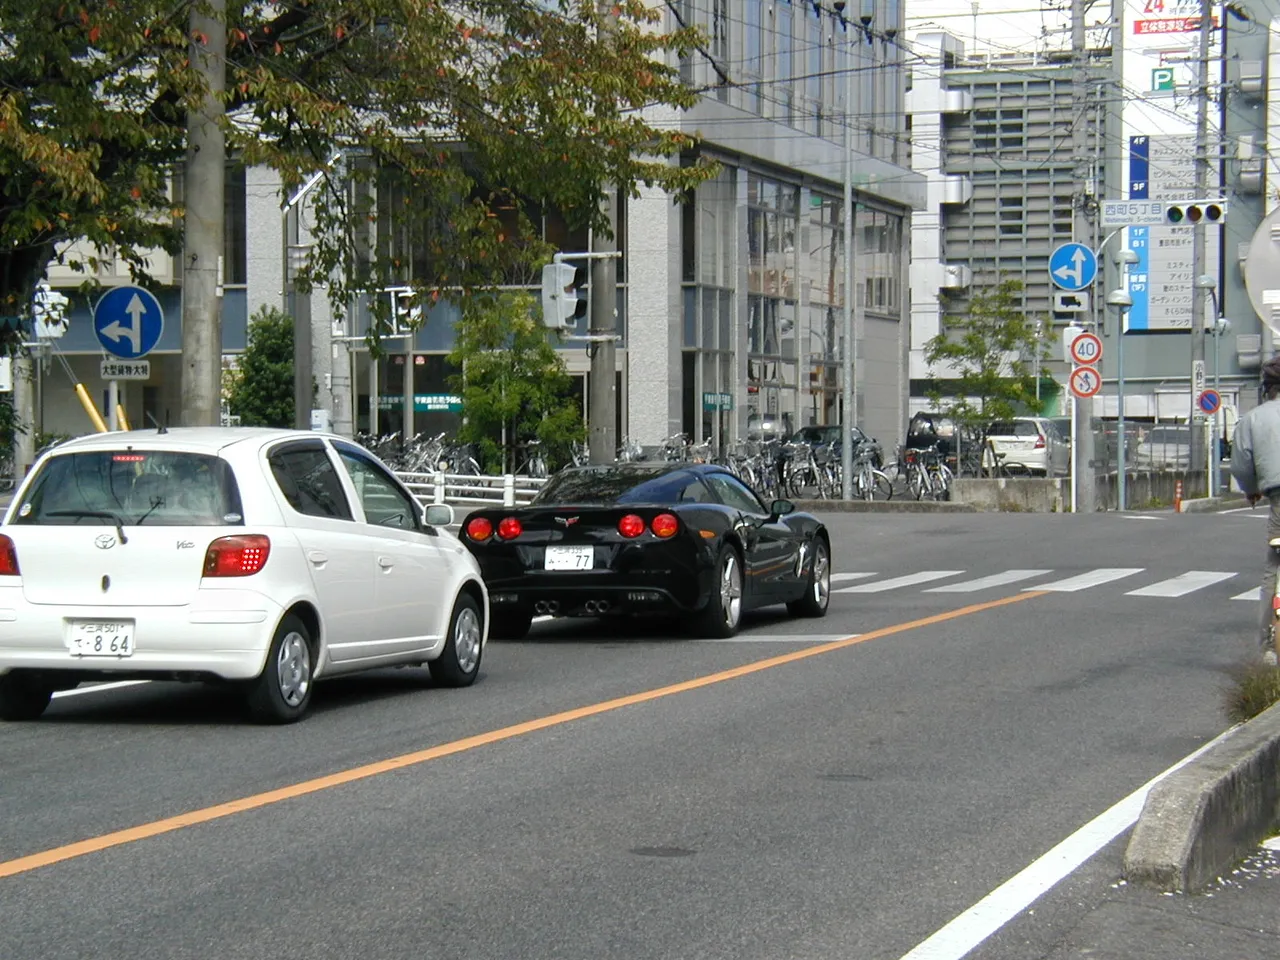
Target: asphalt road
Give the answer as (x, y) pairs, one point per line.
(846, 803)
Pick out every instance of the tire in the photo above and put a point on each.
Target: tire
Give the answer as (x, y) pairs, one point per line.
(509, 626)
(817, 591)
(916, 484)
(883, 486)
(22, 699)
(459, 662)
(723, 613)
(282, 692)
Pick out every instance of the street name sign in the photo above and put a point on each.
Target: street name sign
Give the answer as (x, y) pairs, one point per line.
(1133, 213)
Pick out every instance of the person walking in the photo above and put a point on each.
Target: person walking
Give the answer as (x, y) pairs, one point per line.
(1255, 463)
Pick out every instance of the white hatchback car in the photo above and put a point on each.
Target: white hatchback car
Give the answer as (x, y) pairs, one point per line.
(1032, 444)
(270, 558)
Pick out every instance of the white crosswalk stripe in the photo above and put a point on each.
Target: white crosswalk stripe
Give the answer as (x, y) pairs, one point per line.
(1083, 581)
(909, 580)
(843, 577)
(1182, 584)
(995, 580)
(1249, 595)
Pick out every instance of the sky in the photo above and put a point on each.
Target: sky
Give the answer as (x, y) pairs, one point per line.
(1002, 25)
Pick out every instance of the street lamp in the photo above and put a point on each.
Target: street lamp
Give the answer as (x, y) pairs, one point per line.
(1121, 300)
(1124, 258)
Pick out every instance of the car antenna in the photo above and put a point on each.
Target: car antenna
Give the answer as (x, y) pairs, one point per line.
(160, 427)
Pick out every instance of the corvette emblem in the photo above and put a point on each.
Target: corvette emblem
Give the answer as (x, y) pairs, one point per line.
(566, 521)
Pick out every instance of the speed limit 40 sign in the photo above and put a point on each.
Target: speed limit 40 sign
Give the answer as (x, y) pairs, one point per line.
(1086, 349)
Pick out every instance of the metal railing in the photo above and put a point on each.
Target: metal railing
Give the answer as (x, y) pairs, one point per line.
(508, 490)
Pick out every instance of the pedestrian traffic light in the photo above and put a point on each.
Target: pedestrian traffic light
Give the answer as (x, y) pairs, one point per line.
(561, 305)
(1192, 212)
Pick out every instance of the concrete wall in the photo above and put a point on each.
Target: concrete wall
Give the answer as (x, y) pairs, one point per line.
(1053, 495)
(1013, 494)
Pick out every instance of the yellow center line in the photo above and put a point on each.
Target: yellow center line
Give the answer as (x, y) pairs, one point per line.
(144, 831)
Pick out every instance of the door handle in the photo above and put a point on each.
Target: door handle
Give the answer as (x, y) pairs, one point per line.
(386, 563)
(318, 558)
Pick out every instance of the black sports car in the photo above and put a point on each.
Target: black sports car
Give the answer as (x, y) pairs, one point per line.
(634, 538)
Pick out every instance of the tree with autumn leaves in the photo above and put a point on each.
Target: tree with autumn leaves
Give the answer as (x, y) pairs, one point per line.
(452, 122)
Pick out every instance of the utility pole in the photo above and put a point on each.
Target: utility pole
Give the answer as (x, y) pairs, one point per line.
(850, 418)
(602, 394)
(1082, 231)
(1198, 451)
(24, 440)
(203, 221)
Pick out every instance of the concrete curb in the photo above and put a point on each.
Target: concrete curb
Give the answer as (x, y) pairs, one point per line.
(1212, 813)
(1212, 504)
(883, 506)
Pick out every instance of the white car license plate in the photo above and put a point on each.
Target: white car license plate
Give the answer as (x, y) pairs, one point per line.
(101, 638)
(570, 558)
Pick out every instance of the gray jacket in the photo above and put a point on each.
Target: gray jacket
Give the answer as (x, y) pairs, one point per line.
(1255, 449)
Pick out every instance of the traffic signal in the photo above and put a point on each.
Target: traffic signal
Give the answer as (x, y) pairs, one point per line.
(561, 305)
(1192, 212)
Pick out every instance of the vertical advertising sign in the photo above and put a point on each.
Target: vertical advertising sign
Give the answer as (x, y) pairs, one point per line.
(1160, 67)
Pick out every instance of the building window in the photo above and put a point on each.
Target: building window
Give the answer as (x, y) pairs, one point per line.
(234, 268)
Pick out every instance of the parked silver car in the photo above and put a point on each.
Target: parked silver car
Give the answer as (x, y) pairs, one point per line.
(1164, 448)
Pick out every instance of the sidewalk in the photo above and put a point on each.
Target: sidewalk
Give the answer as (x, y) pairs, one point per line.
(1235, 918)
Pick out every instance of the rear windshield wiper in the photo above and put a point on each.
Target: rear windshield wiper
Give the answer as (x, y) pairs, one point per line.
(96, 515)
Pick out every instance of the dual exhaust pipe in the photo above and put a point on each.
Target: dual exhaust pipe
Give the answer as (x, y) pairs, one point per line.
(552, 607)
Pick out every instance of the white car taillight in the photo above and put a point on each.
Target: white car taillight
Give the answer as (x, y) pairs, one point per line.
(8, 558)
(240, 556)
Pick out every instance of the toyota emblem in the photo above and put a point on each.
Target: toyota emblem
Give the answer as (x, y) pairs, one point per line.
(104, 541)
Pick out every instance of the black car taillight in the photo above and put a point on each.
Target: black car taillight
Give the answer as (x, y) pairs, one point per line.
(510, 528)
(631, 526)
(479, 529)
(664, 525)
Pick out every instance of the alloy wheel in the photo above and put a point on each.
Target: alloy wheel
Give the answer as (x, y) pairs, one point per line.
(293, 669)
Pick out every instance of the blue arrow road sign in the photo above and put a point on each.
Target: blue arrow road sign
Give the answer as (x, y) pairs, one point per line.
(1072, 266)
(128, 322)
(1210, 401)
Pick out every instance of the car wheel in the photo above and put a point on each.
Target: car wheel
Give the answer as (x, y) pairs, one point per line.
(21, 698)
(817, 591)
(459, 661)
(723, 612)
(282, 692)
(509, 626)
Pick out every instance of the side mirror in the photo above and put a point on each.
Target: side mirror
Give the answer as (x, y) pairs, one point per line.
(780, 508)
(438, 515)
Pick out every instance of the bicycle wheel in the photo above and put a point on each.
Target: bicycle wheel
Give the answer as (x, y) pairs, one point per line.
(882, 486)
(916, 482)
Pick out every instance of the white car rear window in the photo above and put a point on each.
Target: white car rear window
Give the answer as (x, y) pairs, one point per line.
(130, 487)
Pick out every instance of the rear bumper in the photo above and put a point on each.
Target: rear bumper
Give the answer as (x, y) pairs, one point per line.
(229, 641)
